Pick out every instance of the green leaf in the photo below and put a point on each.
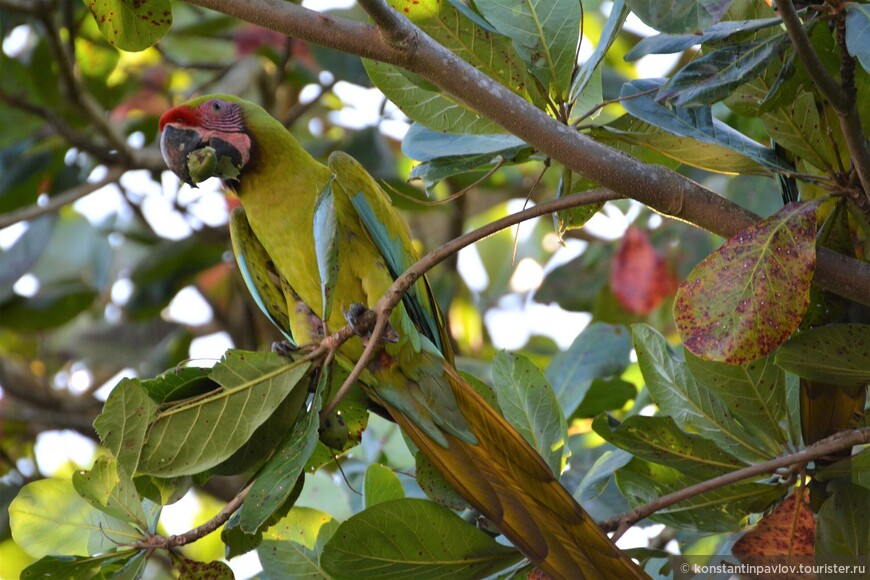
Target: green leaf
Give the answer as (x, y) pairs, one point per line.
(49, 518)
(292, 547)
(194, 570)
(724, 509)
(381, 485)
(755, 392)
(842, 529)
(423, 144)
(413, 538)
(605, 395)
(179, 383)
(530, 405)
(601, 350)
(677, 16)
(797, 127)
(277, 479)
(114, 565)
(708, 142)
(715, 75)
(575, 217)
(132, 25)
(858, 32)
(49, 308)
(435, 110)
(195, 435)
(680, 396)
(746, 298)
(124, 421)
(659, 440)
(598, 476)
(111, 490)
(469, 39)
(838, 354)
(672, 43)
(545, 34)
(618, 13)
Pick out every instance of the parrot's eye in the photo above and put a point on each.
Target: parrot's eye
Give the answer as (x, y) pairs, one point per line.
(216, 106)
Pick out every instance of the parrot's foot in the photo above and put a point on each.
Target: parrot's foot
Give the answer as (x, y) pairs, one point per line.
(285, 348)
(362, 320)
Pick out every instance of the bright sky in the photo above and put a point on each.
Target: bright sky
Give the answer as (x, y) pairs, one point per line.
(516, 318)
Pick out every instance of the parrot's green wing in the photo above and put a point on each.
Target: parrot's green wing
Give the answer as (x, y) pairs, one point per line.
(391, 236)
(259, 274)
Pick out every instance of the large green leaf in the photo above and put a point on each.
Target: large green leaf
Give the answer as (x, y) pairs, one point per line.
(698, 139)
(587, 71)
(659, 440)
(489, 53)
(545, 34)
(277, 479)
(713, 76)
(690, 16)
(601, 350)
(111, 490)
(49, 518)
(413, 538)
(530, 405)
(195, 435)
(746, 298)
(292, 547)
(797, 127)
(842, 531)
(671, 43)
(838, 354)
(427, 105)
(132, 24)
(755, 392)
(381, 485)
(724, 509)
(124, 421)
(124, 565)
(691, 405)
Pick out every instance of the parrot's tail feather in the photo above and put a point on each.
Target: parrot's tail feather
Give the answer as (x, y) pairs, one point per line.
(509, 483)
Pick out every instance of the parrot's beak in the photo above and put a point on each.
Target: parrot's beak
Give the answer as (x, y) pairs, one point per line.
(176, 144)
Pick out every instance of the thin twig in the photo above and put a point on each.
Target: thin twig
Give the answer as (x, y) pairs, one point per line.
(825, 447)
(57, 201)
(394, 294)
(164, 543)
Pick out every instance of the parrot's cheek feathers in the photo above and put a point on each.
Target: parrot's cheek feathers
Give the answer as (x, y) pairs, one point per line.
(177, 144)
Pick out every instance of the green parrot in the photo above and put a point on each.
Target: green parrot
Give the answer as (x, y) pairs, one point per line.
(412, 377)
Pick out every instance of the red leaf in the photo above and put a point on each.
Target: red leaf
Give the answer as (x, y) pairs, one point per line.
(746, 298)
(639, 276)
(788, 533)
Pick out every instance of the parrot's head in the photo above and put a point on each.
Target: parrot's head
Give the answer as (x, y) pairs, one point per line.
(206, 137)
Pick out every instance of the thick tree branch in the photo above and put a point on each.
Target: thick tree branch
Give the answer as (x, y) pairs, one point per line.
(657, 187)
(842, 98)
(823, 448)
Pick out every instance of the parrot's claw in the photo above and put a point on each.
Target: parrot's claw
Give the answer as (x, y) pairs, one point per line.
(285, 348)
(362, 320)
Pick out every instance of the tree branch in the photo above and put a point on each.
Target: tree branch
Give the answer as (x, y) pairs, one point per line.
(825, 447)
(842, 98)
(58, 201)
(661, 189)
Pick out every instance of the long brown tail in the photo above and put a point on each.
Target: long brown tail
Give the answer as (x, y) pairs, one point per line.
(509, 483)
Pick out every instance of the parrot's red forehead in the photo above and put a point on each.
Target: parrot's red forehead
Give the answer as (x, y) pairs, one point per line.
(182, 115)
